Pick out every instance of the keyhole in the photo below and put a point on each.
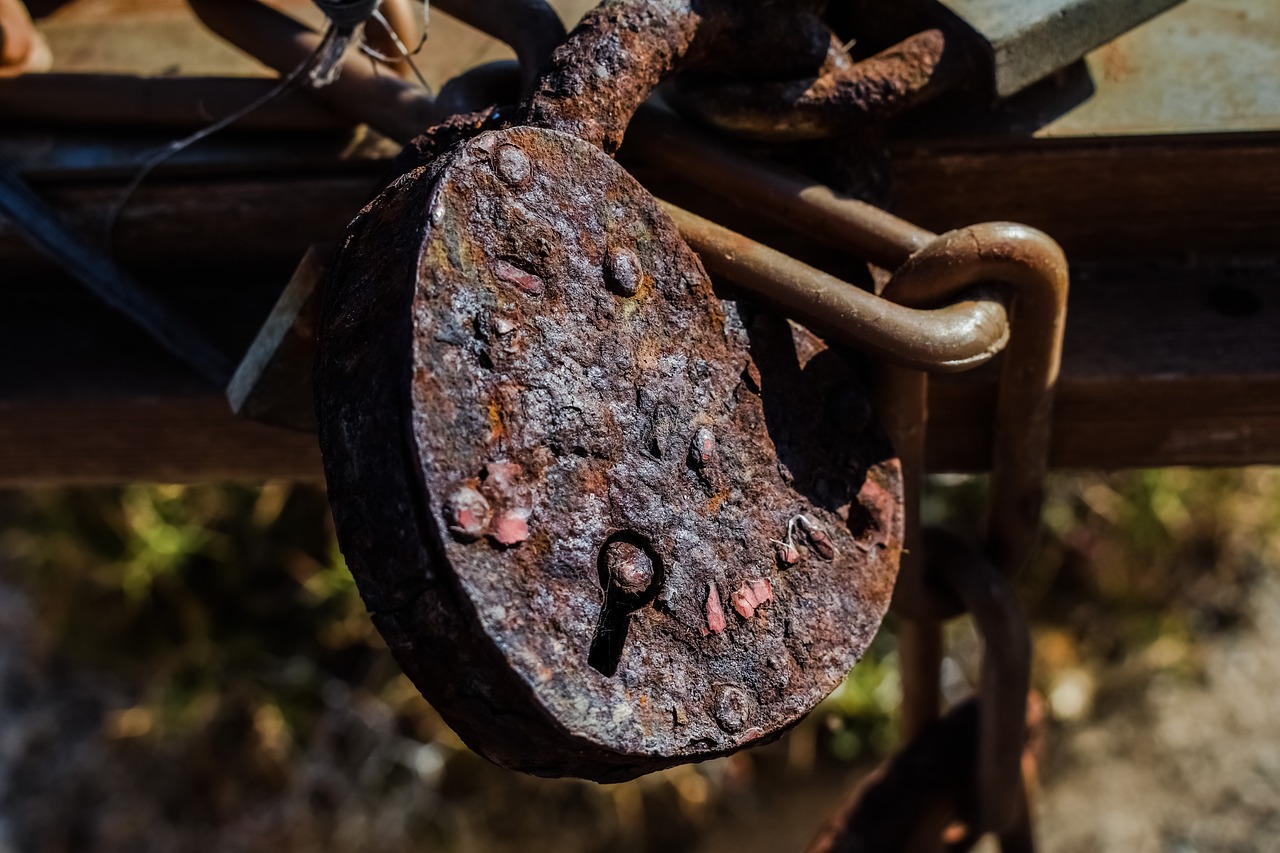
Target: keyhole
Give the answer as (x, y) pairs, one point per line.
(631, 575)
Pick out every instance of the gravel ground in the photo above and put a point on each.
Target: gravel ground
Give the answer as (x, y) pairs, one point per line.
(1176, 764)
(1165, 762)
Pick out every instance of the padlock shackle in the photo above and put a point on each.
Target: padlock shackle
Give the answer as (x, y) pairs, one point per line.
(786, 197)
(1032, 269)
(1005, 679)
(950, 338)
(622, 50)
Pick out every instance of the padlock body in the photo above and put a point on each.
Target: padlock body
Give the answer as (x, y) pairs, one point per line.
(606, 522)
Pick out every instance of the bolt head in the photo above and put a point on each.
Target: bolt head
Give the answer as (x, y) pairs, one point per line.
(732, 708)
(702, 449)
(622, 271)
(630, 568)
(512, 165)
(467, 513)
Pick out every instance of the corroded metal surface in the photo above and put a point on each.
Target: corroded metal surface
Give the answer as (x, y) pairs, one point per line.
(622, 49)
(606, 522)
(842, 97)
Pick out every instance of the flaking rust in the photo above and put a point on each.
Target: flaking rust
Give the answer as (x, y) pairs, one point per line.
(566, 476)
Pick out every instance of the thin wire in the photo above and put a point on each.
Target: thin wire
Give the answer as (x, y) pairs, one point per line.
(178, 146)
(340, 14)
(405, 53)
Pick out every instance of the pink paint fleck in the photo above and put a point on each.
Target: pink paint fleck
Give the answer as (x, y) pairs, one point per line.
(511, 528)
(751, 595)
(522, 280)
(715, 613)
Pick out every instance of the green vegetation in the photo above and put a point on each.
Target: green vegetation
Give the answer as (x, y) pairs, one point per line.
(250, 694)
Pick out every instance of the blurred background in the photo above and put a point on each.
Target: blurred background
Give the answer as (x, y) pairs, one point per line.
(190, 668)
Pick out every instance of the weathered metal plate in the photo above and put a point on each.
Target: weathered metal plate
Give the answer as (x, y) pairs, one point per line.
(1031, 39)
(596, 533)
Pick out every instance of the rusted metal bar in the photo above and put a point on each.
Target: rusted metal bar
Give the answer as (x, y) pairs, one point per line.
(987, 593)
(1034, 266)
(955, 337)
(385, 102)
(903, 408)
(779, 194)
(845, 97)
(651, 37)
(127, 100)
(1034, 270)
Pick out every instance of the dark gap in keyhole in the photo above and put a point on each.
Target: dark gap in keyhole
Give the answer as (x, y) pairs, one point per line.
(615, 617)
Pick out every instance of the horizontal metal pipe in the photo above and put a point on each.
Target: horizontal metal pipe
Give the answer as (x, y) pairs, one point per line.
(952, 338)
(385, 102)
(127, 100)
(531, 28)
(781, 195)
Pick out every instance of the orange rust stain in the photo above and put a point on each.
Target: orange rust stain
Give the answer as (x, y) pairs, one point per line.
(713, 506)
(538, 545)
(647, 354)
(593, 480)
(497, 429)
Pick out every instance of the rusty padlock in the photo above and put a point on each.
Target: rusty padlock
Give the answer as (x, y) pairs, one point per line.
(606, 522)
